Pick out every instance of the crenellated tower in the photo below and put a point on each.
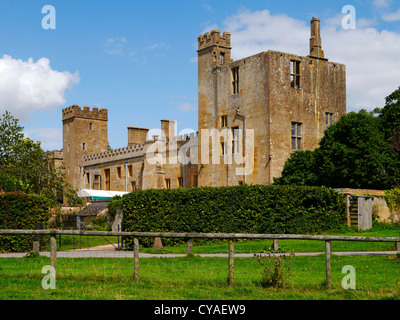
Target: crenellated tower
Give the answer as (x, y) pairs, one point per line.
(214, 54)
(84, 133)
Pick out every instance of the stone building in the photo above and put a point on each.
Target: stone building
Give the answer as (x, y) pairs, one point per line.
(252, 114)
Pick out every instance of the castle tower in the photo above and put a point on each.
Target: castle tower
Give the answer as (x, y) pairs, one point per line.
(84, 133)
(214, 53)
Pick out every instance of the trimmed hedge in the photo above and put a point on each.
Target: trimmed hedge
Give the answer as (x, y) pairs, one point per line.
(239, 209)
(21, 211)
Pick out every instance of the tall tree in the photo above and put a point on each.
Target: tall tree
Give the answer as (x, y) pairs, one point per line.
(361, 150)
(26, 167)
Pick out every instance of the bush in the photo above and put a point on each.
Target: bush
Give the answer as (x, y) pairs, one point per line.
(21, 211)
(276, 272)
(392, 198)
(240, 209)
(113, 205)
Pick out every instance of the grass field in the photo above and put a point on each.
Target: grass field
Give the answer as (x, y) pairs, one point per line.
(193, 278)
(260, 246)
(196, 278)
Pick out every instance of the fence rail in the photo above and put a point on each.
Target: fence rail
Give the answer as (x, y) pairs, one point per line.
(230, 236)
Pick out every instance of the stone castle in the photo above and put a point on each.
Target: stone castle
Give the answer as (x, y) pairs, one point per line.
(252, 114)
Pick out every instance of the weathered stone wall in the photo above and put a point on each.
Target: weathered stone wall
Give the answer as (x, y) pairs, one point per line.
(322, 89)
(84, 133)
(266, 103)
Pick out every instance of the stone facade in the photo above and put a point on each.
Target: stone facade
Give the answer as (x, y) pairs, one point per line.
(252, 114)
(265, 95)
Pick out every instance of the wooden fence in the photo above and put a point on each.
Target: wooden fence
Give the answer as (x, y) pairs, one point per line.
(230, 236)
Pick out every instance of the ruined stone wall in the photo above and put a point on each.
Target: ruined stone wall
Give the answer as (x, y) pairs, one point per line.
(267, 101)
(322, 89)
(245, 110)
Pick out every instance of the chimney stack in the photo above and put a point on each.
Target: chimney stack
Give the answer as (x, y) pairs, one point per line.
(315, 40)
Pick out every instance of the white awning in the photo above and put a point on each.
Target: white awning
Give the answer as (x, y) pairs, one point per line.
(99, 194)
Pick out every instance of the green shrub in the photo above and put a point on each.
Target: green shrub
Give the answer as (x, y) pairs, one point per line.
(393, 198)
(113, 205)
(240, 209)
(21, 211)
(275, 270)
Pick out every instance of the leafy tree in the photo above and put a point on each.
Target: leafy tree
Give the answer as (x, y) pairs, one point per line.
(26, 167)
(10, 135)
(361, 150)
(300, 169)
(353, 153)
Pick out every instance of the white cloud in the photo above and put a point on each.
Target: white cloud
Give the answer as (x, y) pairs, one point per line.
(391, 17)
(382, 3)
(115, 46)
(28, 86)
(50, 138)
(187, 106)
(370, 56)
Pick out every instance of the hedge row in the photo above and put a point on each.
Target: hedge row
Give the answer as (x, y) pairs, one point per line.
(21, 211)
(240, 209)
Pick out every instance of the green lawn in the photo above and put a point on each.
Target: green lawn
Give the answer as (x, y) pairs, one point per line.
(259, 246)
(195, 278)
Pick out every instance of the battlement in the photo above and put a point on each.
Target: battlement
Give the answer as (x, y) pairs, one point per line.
(186, 137)
(77, 111)
(114, 155)
(57, 154)
(214, 38)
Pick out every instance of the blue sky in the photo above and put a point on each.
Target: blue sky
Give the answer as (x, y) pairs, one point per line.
(138, 58)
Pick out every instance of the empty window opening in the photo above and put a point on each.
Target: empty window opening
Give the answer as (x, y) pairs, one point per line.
(224, 121)
(328, 118)
(235, 80)
(84, 146)
(295, 74)
(133, 185)
(235, 140)
(107, 179)
(224, 148)
(168, 183)
(296, 136)
(97, 182)
(130, 173)
(180, 181)
(119, 174)
(90, 126)
(222, 58)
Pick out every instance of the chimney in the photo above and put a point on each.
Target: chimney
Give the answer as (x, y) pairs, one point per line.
(167, 129)
(137, 135)
(315, 40)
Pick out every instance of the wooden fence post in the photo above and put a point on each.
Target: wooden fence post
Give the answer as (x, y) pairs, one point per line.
(53, 250)
(136, 260)
(328, 250)
(276, 245)
(231, 279)
(189, 247)
(36, 246)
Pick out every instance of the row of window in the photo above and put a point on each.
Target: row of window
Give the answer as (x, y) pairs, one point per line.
(294, 75)
(97, 181)
(296, 134)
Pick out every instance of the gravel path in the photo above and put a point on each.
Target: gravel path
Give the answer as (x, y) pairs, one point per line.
(108, 251)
